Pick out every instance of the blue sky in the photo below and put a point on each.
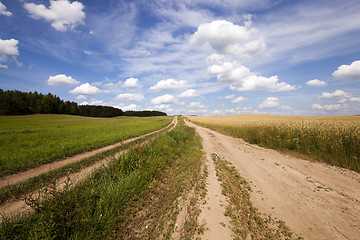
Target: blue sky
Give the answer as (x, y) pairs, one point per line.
(198, 57)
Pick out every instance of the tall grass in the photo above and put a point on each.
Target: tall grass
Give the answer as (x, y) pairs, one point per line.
(95, 208)
(28, 141)
(334, 140)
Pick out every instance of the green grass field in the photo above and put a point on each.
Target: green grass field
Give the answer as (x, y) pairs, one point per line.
(28, 141)
(133, 198)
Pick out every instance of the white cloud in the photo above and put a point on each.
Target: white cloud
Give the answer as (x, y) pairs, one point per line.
(197, 111)
(85, 89)
(162, 106)
(242, 79)
(196, 105)
(217, 112)
(286, 108)
(96, 102)
(254, 82)
(80, 97)
(61, 80)
(270, 102)
(230, 96)
(336, 94)
(164, 99)
(316, 82)
(61, 14)
(3, 10)
(215, 58)
(354, 99)
(84, 103)
(132, 83)
(8, 48)
(168, 85)
(131, 107)
(189, 93)
(129, 97)
(238, 99)
(329, 107)
(348, 72)
(230, 39)
(4, 66)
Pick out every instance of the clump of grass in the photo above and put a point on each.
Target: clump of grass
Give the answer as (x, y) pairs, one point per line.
(334, 140)
(32, 140)
(137, 190)
(246, 220)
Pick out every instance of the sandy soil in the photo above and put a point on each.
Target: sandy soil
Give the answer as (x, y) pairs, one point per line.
(217, 225)
(316, 201)
(19, 207)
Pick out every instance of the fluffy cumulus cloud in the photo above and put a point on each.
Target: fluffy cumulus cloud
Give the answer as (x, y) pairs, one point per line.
(336, 94)
(168, 85)
(94, 101)
(316, 82)
(229, 96)
(328, 107)
(230, 39)
(3, 10)
(242, 79)
(162, 106)
(85, 89)
(196, 105)
(270, 102)
(189, 93)
(164, 99)
(343, 99)
(238, 99)
(61, 80)
(62, 14)
(132, 83)
(354, 99)
(348, 72)
(130, 97)
(8, 48)
(131, 107)
(4, 66)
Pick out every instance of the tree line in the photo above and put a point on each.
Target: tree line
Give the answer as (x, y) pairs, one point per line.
(13, 102)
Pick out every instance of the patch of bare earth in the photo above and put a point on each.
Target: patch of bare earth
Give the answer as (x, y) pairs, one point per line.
(315, 200)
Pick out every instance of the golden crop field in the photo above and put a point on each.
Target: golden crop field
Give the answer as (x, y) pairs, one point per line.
(334, 139)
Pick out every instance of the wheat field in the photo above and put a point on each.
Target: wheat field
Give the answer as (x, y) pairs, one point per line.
(331, 139)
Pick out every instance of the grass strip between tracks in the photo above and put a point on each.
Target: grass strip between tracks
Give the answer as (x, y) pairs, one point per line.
(135, 196)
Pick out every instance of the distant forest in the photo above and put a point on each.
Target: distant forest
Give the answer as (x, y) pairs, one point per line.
(21, 103)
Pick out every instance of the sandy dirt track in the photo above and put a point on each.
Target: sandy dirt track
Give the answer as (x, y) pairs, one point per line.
(22, 176)
(18, 206)
(316, 201)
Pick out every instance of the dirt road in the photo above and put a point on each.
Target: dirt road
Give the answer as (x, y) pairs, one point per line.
(15, 207)
(22, 176)
(316, 201)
